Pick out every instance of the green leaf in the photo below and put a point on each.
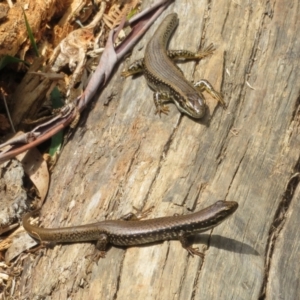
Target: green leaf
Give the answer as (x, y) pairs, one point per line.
(30, 34)
(58, 138)
(7, 59)
(132, 12)
(56, 98)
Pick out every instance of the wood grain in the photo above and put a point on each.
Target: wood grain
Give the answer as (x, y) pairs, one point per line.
(123, 155)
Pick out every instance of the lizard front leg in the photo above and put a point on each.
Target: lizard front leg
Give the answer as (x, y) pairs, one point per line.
(160, 98)
(189, 55)
(204, 85)
(186, 245)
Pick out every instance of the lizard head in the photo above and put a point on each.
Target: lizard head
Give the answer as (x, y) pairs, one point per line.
(192, 105)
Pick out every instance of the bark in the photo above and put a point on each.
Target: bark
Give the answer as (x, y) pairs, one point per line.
(123, 155)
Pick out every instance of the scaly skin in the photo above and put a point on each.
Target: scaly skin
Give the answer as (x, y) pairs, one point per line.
(129, 233)
(166, 79)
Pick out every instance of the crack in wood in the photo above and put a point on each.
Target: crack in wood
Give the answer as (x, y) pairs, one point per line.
(237, 168)
(278, 224)
(201, 263)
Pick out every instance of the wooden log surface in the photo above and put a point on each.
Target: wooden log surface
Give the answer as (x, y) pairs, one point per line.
(123, 155)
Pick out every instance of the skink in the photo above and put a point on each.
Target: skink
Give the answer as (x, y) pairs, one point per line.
(166, 79)
(130, 233)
